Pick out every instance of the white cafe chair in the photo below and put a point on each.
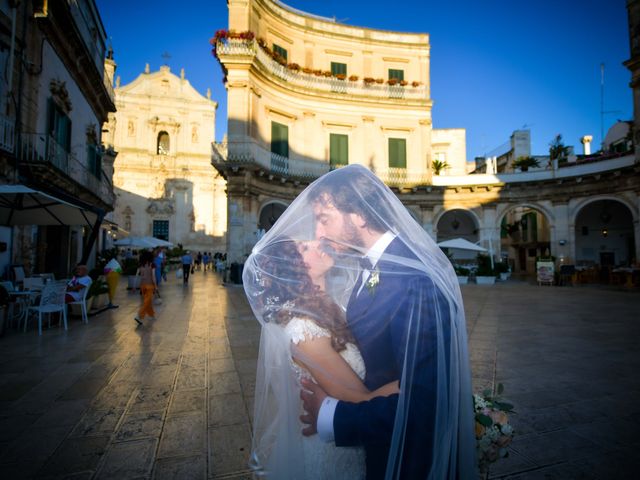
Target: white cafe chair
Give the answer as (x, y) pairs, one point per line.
(51, 300)
(83, 304)
(33, 283)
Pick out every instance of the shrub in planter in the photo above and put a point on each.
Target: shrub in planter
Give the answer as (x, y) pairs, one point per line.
(369, 80)
(416, 84)
(307, 70)
(392, 81)
(484, 273)
(293, 66)
(341, 76)
(353, 78)
(380, 81)
(403, 83)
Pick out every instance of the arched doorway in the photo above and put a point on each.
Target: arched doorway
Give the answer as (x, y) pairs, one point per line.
(604, 234)
(458, 223)
(525, 236)
(269, 214)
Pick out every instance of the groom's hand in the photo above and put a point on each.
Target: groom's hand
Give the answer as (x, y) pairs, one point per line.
(312, 397)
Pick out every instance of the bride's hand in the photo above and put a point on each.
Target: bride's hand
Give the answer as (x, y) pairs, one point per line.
(312, 397)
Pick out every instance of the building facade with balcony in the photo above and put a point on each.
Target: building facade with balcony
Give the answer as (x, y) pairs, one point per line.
(165, 184)
(55, 93)
(307, 94)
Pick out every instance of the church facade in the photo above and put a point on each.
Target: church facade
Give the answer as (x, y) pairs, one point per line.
(163, 178)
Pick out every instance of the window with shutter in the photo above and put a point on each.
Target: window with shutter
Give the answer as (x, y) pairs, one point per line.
(397, 153)
(338, 150)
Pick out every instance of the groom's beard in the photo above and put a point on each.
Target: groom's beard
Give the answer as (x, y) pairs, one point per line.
(350, 242)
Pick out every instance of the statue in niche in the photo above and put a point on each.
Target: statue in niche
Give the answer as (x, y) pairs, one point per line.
(192, 221)
(194, 134)
(131, 129)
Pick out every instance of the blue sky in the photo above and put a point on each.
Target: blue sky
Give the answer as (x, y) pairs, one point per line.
(496, 66)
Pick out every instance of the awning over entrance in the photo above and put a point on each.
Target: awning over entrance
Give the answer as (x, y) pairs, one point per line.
(21, 205)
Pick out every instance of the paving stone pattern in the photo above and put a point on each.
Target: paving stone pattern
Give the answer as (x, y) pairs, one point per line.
(174, 397)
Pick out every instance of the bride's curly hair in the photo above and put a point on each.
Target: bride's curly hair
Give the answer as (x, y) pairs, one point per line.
(289, 293)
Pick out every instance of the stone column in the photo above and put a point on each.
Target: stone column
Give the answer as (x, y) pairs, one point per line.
(562, 234)
(489, 232)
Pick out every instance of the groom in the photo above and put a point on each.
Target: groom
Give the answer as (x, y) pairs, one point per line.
(381, 314)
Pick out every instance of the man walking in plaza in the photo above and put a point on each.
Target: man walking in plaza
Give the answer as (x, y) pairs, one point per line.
(187, 262)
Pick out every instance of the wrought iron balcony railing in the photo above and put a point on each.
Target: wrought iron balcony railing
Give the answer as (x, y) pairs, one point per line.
(297, 78)
(42, 149)
(235, 154)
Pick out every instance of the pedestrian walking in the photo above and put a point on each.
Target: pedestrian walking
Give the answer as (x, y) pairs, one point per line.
(187, 262)
(157, 262)
(205, 261)
(146, 272)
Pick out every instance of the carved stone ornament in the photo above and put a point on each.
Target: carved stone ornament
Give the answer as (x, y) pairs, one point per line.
(161, 206)
(60, 94)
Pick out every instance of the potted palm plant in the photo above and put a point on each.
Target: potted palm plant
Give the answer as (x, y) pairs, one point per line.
(485, 273)
(98, 294)
(524, 163)
(462, 273)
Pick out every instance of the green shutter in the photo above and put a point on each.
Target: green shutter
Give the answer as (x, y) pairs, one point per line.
(280, 139)
(397, 153)
(280, 51)
(338, 149)
(338, 68)
(397, 74)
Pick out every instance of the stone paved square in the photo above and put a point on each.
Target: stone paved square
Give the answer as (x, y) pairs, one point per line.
(173, 398)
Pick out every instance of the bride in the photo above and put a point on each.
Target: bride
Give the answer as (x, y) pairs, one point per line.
(321, 347)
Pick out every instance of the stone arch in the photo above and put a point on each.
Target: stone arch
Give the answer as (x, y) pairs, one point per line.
(583, 202)
(525, 231)
(270, 211)
(163, 144)
(603, 229)
(460, 218)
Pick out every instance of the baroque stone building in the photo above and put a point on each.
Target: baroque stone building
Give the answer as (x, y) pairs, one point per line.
(307, 94)
(164, 181)
(56, 77)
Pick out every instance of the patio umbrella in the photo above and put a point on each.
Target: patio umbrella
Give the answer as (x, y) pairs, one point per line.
(461, 244)
(138, 242)
(22, 205)
(157, 242)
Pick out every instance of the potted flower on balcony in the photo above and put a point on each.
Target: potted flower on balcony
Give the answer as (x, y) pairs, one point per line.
(416, 84)
(485, 273)
(392, 81)
(353, 78)
(341, 76)
(523, 163)
(369, 80)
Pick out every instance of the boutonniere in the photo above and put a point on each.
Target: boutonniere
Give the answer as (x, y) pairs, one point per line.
(372, 281)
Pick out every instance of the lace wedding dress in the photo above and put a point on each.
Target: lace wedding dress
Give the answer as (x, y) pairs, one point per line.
(324, 460)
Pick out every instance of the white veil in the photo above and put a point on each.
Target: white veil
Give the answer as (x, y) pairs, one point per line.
(418, 330)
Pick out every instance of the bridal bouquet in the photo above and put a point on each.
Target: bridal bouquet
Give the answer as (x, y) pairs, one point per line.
(493, 432)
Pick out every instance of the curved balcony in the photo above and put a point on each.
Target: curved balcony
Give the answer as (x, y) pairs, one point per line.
(233, 155)
(331, 85)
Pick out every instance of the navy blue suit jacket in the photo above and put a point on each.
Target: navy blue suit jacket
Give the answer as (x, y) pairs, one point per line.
(399, 312)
